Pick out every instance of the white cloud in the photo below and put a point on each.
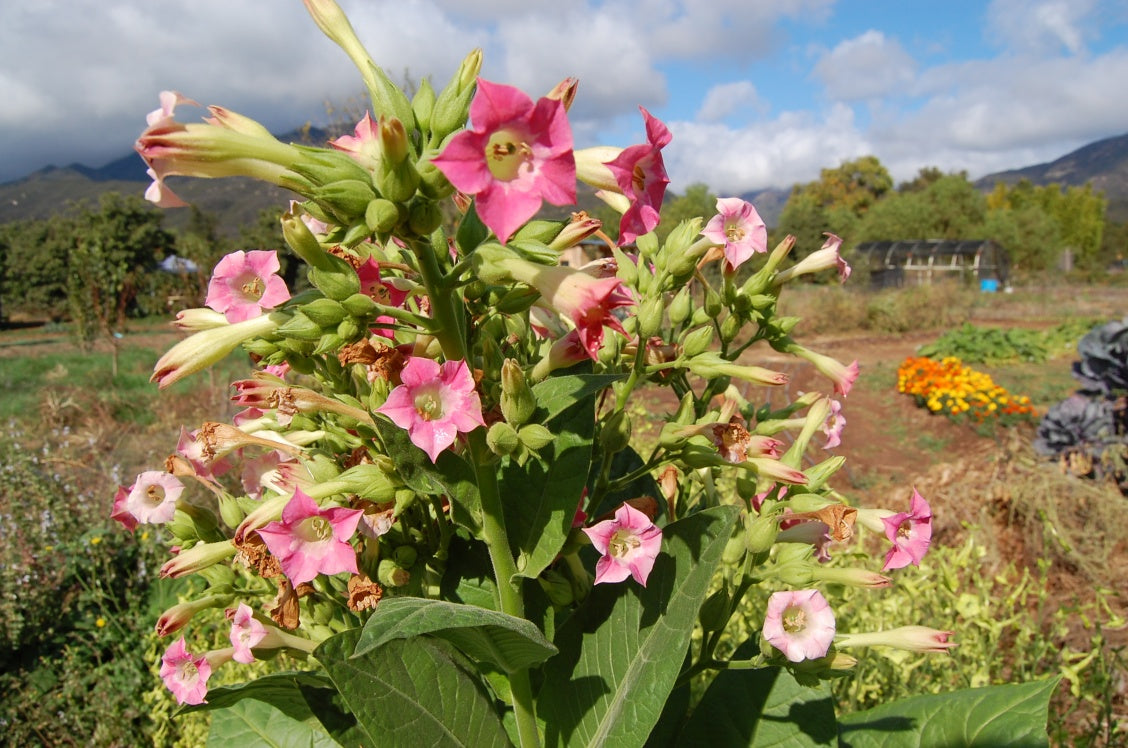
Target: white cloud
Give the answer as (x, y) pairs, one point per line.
(728, 98)
(1042, 26)
(865, 67)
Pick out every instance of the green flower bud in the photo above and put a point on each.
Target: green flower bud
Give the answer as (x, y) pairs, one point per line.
(517, 399)
(359, 305)
(697, 341)
(370, 481)
(615, 432)
(337, 283)
(713, 304)
(628, 271)
(356, 234)
(422, 104)
(453, 103)
(735, 549)
(818, 475)
(557, 588)
(324, 312)
(346, 199)
(714, 611)
(685, 414)
(539, 231)
(396, 176)
(730, 328)
(534, 436)
(405, 556)
(502, 439)
(424, 216)
(260, 347)
(300, 327)
(650, 317)
(432, 182)
(350, 330)
(299, 238)
(381, 216)
(681, 307)
(230, 511)
(330, 342)
(389, 573)
(761, 534)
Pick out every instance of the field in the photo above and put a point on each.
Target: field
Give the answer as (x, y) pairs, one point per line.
(1020, 516)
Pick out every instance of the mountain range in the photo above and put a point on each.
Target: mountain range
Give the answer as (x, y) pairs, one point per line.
(237, 201)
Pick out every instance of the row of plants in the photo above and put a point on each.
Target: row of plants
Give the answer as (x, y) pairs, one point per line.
(951, 388)
(975, 344)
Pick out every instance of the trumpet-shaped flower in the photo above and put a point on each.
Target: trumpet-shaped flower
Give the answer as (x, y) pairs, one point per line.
(363, 145)
(245, 283)
(908, 638)
(310, 540)
(910, 532)
(435, 403)
(515, 155)
(826, 257)
(834, 425)
(800, 624)
(739, 228)
(184, 674)
(640, 174)
(246, 632)
(629, 543)
(150, 500)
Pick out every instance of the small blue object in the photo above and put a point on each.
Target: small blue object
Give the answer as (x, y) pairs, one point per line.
(989, 285)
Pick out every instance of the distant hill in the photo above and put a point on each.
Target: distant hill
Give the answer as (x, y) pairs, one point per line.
(238, 201)
(1104, 164)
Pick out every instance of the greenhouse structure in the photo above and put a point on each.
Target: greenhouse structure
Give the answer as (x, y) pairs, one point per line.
(922, 262)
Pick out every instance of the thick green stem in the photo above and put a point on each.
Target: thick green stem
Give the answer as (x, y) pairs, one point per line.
(446, 310)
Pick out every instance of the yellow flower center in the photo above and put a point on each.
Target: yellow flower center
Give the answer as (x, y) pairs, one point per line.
(314, 530)
(155, 493)
(622, 543)
(794, 619)
(253, 288)
(506, 154)
(734, 232)
(429, 405)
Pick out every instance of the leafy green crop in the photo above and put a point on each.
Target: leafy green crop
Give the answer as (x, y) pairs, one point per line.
(995, 345)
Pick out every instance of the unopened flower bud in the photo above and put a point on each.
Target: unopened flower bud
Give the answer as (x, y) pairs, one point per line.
(300, 327)
(713, 304)
(615, 434)
(761, 534)
(178, 616)
(564, 92)
(199, 556)
(396, 177)
(349, 330)
(432, 182)
(714, 611)
(324, 312)
(557, 587)
(390, 574)
(535, 436)
(681, 307)
(424, 216)
(381, 215)
(502, 439)
(650, 317)
(230, 511)
(453, 103)
(405, 556)
(422, 104)
(730, 328)
(517, 400)
(299, 238)
(346, 199)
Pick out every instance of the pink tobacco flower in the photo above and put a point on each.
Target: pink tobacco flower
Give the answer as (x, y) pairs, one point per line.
(373, 286)
(739, 228)
(825, 258)
(246, 283)
(246, 632)
(184, 674)
(310, 540)
(363, 146)
(641, 175)
(910, 532)
(841, 375)
(150, 500)
(516, 155)
(800, 624)
(435, 403)
(908, 638)
(629, 543)
(833, 426)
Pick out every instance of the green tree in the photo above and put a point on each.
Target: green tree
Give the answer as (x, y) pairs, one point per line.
(697, 201)
(948, 207)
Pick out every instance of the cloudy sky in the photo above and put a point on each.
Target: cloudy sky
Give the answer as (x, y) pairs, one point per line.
(758, 93)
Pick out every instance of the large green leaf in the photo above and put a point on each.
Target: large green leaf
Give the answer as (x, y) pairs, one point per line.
(775, 710)
(541, 496)
(281, 709)
(412, 692)
(621, 652)
(483, 635)
(1013, 715)
(450, 476)
(556, 394)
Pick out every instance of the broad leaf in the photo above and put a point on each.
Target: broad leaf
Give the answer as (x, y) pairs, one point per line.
(469, 575)
(541, 496)
(775, 710)
(483, 635)
(450, 476)
(622, 651)
(412, 692)
(280, 709)
(1013, 715)
(557, 394)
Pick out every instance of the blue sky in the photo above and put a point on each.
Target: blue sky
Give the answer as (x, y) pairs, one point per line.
(757, 93)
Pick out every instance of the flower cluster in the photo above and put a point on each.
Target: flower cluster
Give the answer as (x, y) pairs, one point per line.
(960, 392)
(437, 435)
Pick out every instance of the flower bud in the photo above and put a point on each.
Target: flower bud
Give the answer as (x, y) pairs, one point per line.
(517, 400)
(713, 304)
(381, 216)
(349, 330)
(300, 327)
(818, 475)
(681, 307)
(615, 434)
(453, 103)
(650, 317)
(422, 104)
(502, 439)
(176, 617)
(346, 199)
(299, 238)
(324, 312)
(432, 182)
(557, 588)
(714, 611)
(730, 328)
(199, 556)
(230, 511)
(396, 177)
(697, 342)
(339, 282)
(535, 436)
(424, 216)
(359, 305)
(390, 574)
(761, 534)
(405, 556)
